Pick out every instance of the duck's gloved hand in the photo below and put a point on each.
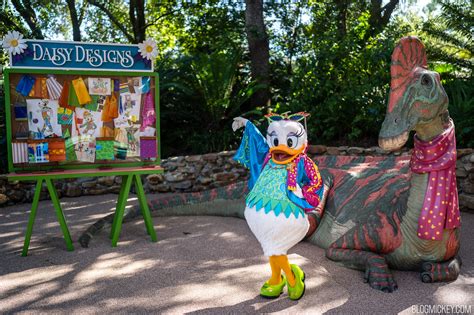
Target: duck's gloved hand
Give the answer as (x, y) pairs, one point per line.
(238, 123)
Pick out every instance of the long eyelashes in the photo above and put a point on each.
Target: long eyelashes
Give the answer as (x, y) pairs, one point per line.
(300, 132)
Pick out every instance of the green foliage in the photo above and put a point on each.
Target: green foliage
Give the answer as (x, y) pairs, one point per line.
(451, 38)
(214, 83)
(341, 79)
(461, 109)
(329, 58)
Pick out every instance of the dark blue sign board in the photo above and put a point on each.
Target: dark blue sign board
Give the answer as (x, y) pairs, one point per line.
(80, 56)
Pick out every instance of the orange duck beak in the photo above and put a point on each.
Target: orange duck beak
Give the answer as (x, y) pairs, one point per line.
(281, 154)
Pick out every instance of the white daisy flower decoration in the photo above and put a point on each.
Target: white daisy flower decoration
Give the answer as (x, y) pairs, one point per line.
(148, 49)
(14, 43)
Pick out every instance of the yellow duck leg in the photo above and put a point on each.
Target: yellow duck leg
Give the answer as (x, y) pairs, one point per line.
(294, 276)
(279, 263)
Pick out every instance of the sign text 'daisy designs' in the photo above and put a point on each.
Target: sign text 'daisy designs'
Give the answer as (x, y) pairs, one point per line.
(81, 56)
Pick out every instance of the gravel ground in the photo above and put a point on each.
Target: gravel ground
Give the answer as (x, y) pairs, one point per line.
(199, 265)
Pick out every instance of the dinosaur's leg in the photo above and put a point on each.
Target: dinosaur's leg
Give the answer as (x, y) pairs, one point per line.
(276, 271)
(377, 273)
(440, 272)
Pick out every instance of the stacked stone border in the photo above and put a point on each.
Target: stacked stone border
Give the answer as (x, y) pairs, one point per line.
(200, 172)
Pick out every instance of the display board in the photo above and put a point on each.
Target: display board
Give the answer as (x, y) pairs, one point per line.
(59, 117)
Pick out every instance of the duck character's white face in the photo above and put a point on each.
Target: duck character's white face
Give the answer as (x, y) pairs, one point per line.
(287, 139)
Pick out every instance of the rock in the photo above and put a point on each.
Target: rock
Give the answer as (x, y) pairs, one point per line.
(183, 185)
(114, 189)
(95, 191)
(204, 180)
(3, 199)
(467, 201)
(73, 190)
(210, 157)
(155, 179)
(86, 179)
(106, 181)
(355, 150)
(44, 195)
(461, 172)
(91, 184)
(381, 151)
(216, 170)
(471, 177)
(469, 167)
(177, 159)
(332, 151)
(463, 152)
(226, 153)
(468, 187)
(224, 177)
(16, 195)
(369, 151)
(193, 158)
(198, 188)
(317, 149)
(471, 158)
(174, 177)
(186, 170)
(160, 187)
(170, 166)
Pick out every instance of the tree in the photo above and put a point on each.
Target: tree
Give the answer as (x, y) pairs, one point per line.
(259, 50)
(76, 20)
(451, 35)
(26, 11)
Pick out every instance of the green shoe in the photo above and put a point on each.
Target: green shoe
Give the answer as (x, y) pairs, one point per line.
(273, 291)
(296, 292)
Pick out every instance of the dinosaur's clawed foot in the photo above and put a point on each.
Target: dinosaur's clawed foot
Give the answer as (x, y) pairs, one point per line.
(440, 272)
(380, 279)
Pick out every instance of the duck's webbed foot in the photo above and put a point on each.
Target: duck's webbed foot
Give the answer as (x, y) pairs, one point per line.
(441, 272)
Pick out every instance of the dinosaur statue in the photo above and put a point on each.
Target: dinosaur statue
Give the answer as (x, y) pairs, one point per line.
(387, 224)
(372, 211)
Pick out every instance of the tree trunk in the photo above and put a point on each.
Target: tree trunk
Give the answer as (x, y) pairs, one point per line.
(76, 31)
(342, 6)
(137, 18)
(379, 16)
(259, 50)
(28, 14)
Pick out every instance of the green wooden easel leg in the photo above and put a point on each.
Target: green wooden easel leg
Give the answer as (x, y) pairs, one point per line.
(59, 214)
(31, 220)
(118, 206)
(144, 208)
(117, 226)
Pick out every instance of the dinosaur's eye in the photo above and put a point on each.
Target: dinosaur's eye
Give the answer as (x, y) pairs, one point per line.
(426, 80)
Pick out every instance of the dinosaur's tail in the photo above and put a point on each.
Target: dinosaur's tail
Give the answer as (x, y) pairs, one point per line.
(222, 201)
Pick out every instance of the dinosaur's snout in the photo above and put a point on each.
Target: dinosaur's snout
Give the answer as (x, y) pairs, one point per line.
(393, 143)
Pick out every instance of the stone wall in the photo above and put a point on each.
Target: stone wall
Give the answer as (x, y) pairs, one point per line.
(200, 172)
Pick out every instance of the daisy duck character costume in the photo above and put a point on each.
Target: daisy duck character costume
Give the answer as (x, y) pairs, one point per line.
(285, 186)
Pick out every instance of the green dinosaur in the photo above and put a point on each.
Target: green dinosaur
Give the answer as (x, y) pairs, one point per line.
(379, 228)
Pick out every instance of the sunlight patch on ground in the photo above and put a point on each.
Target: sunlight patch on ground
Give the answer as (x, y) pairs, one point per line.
(456, 293)
(109, 268)
(19, 288)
